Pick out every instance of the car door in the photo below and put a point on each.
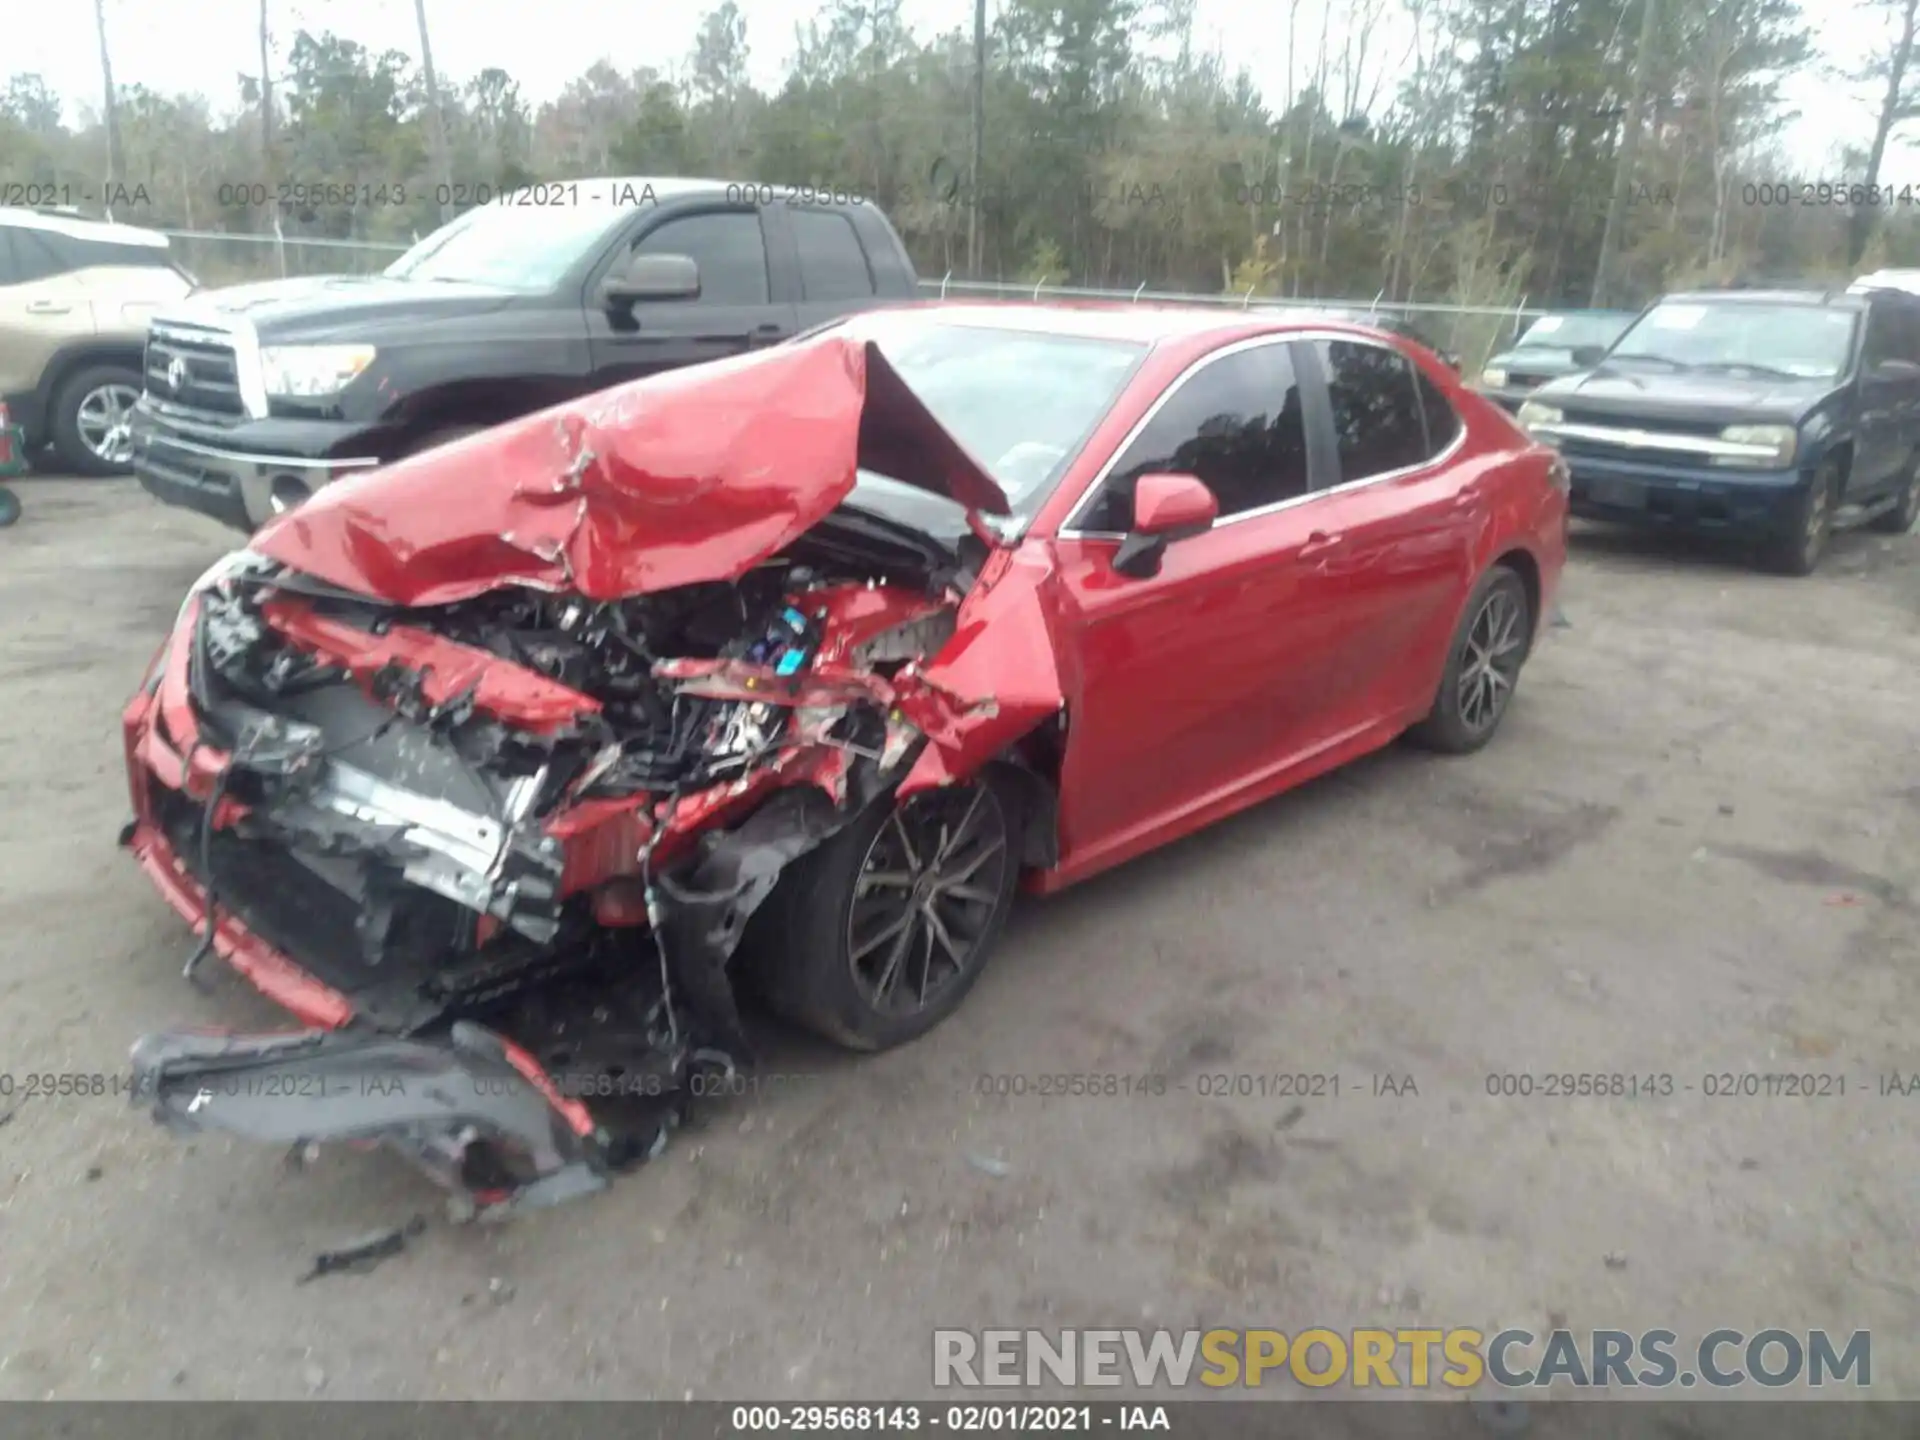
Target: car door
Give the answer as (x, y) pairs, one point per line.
(1200, 680)
(734, 312)
(43, 306)
(1884, 436)
(1402, 519)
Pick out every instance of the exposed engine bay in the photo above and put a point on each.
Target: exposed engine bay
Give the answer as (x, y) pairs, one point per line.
(485, 764)
(560, 852)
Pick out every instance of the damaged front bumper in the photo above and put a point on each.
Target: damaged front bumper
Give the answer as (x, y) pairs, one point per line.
(474, 1111)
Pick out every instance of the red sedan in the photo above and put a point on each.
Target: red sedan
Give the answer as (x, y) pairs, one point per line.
(507, 767)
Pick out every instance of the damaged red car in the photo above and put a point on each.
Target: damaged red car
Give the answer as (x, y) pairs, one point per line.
(510, 769)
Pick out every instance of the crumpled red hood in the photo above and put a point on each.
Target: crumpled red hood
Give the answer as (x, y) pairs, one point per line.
(688, 476)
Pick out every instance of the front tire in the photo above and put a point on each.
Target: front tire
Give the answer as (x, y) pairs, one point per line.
(90, 422)
(877, 936)
(1483, 666)
(1799, 551)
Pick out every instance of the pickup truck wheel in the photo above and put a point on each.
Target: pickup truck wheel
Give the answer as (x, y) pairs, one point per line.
(446, 435)
(877, 936)
(1899, 520)
(91, 418)
(1799, 549)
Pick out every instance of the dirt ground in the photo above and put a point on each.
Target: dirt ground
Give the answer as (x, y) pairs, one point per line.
(1695, 849)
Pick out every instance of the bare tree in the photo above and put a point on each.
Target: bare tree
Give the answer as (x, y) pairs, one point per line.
(112, 114)
(979, 135)
(436, 117)
(1630, 149)
(1896, 106)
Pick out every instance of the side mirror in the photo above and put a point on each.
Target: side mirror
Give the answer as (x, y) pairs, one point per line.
(1165, 508)
(1588, 356)
(652, 277)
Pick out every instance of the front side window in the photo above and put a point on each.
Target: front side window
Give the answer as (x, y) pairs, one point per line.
(1379, 422)
(1236, 425)
(728, 248)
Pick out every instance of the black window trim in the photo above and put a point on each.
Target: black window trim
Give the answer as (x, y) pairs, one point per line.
(1068, 528)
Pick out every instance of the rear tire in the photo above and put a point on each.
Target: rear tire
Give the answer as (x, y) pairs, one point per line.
(1483, 666)
(1799, 551)
(88, 422)
(844, 947)
(446, 435)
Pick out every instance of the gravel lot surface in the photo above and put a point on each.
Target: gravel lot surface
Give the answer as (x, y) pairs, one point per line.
(1694, 850)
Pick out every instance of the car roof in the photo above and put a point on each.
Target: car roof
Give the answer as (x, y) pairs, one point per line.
(594, 189)
(1811, 295)
(80, 227)
(1139, 324)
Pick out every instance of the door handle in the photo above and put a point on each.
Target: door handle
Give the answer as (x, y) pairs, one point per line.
(1320, 542)
(768, 334)
(48, 307)
(1465, 500)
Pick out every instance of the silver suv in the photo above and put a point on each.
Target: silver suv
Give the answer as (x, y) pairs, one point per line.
(75, 298)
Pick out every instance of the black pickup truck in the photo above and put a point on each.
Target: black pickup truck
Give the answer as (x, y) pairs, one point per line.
(257, 395)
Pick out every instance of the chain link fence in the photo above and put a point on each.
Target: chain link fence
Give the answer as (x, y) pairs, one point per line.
(1472, 332)
(217, 258)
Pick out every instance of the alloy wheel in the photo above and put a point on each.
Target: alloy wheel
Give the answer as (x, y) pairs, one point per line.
(926, 895)
(105, 422)
(1496, 646)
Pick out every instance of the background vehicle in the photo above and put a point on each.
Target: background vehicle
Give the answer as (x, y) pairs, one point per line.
(1907, 280)
(826, 696)
(257, 395)
(1547, 350)
(1773, 414)
(75, 298)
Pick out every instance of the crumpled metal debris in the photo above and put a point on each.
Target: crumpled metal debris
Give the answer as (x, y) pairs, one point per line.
(359, 1256)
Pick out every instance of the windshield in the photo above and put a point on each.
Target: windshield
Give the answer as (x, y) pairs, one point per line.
(1569, 332)
(1811, 342)
(1021, 403)
(515, 247)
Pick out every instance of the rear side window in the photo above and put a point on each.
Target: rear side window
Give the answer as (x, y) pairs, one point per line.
(1236, 424)
(832, 264)
(38, 255)
(102, 252)
(1443, 422)
(1378, 417)
(726, 245)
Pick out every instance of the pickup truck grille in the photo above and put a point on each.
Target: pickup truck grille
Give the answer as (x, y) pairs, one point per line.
(193, 369)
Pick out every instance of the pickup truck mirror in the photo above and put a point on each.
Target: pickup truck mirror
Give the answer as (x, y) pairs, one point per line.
(651, 277)
(1588, 356)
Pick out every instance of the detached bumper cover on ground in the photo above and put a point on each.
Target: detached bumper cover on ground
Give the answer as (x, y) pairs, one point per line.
(481, 764)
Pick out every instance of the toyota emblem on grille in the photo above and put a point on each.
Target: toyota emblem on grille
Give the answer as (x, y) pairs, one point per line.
(176, 372)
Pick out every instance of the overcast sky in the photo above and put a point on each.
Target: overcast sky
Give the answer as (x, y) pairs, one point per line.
(154, 45)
